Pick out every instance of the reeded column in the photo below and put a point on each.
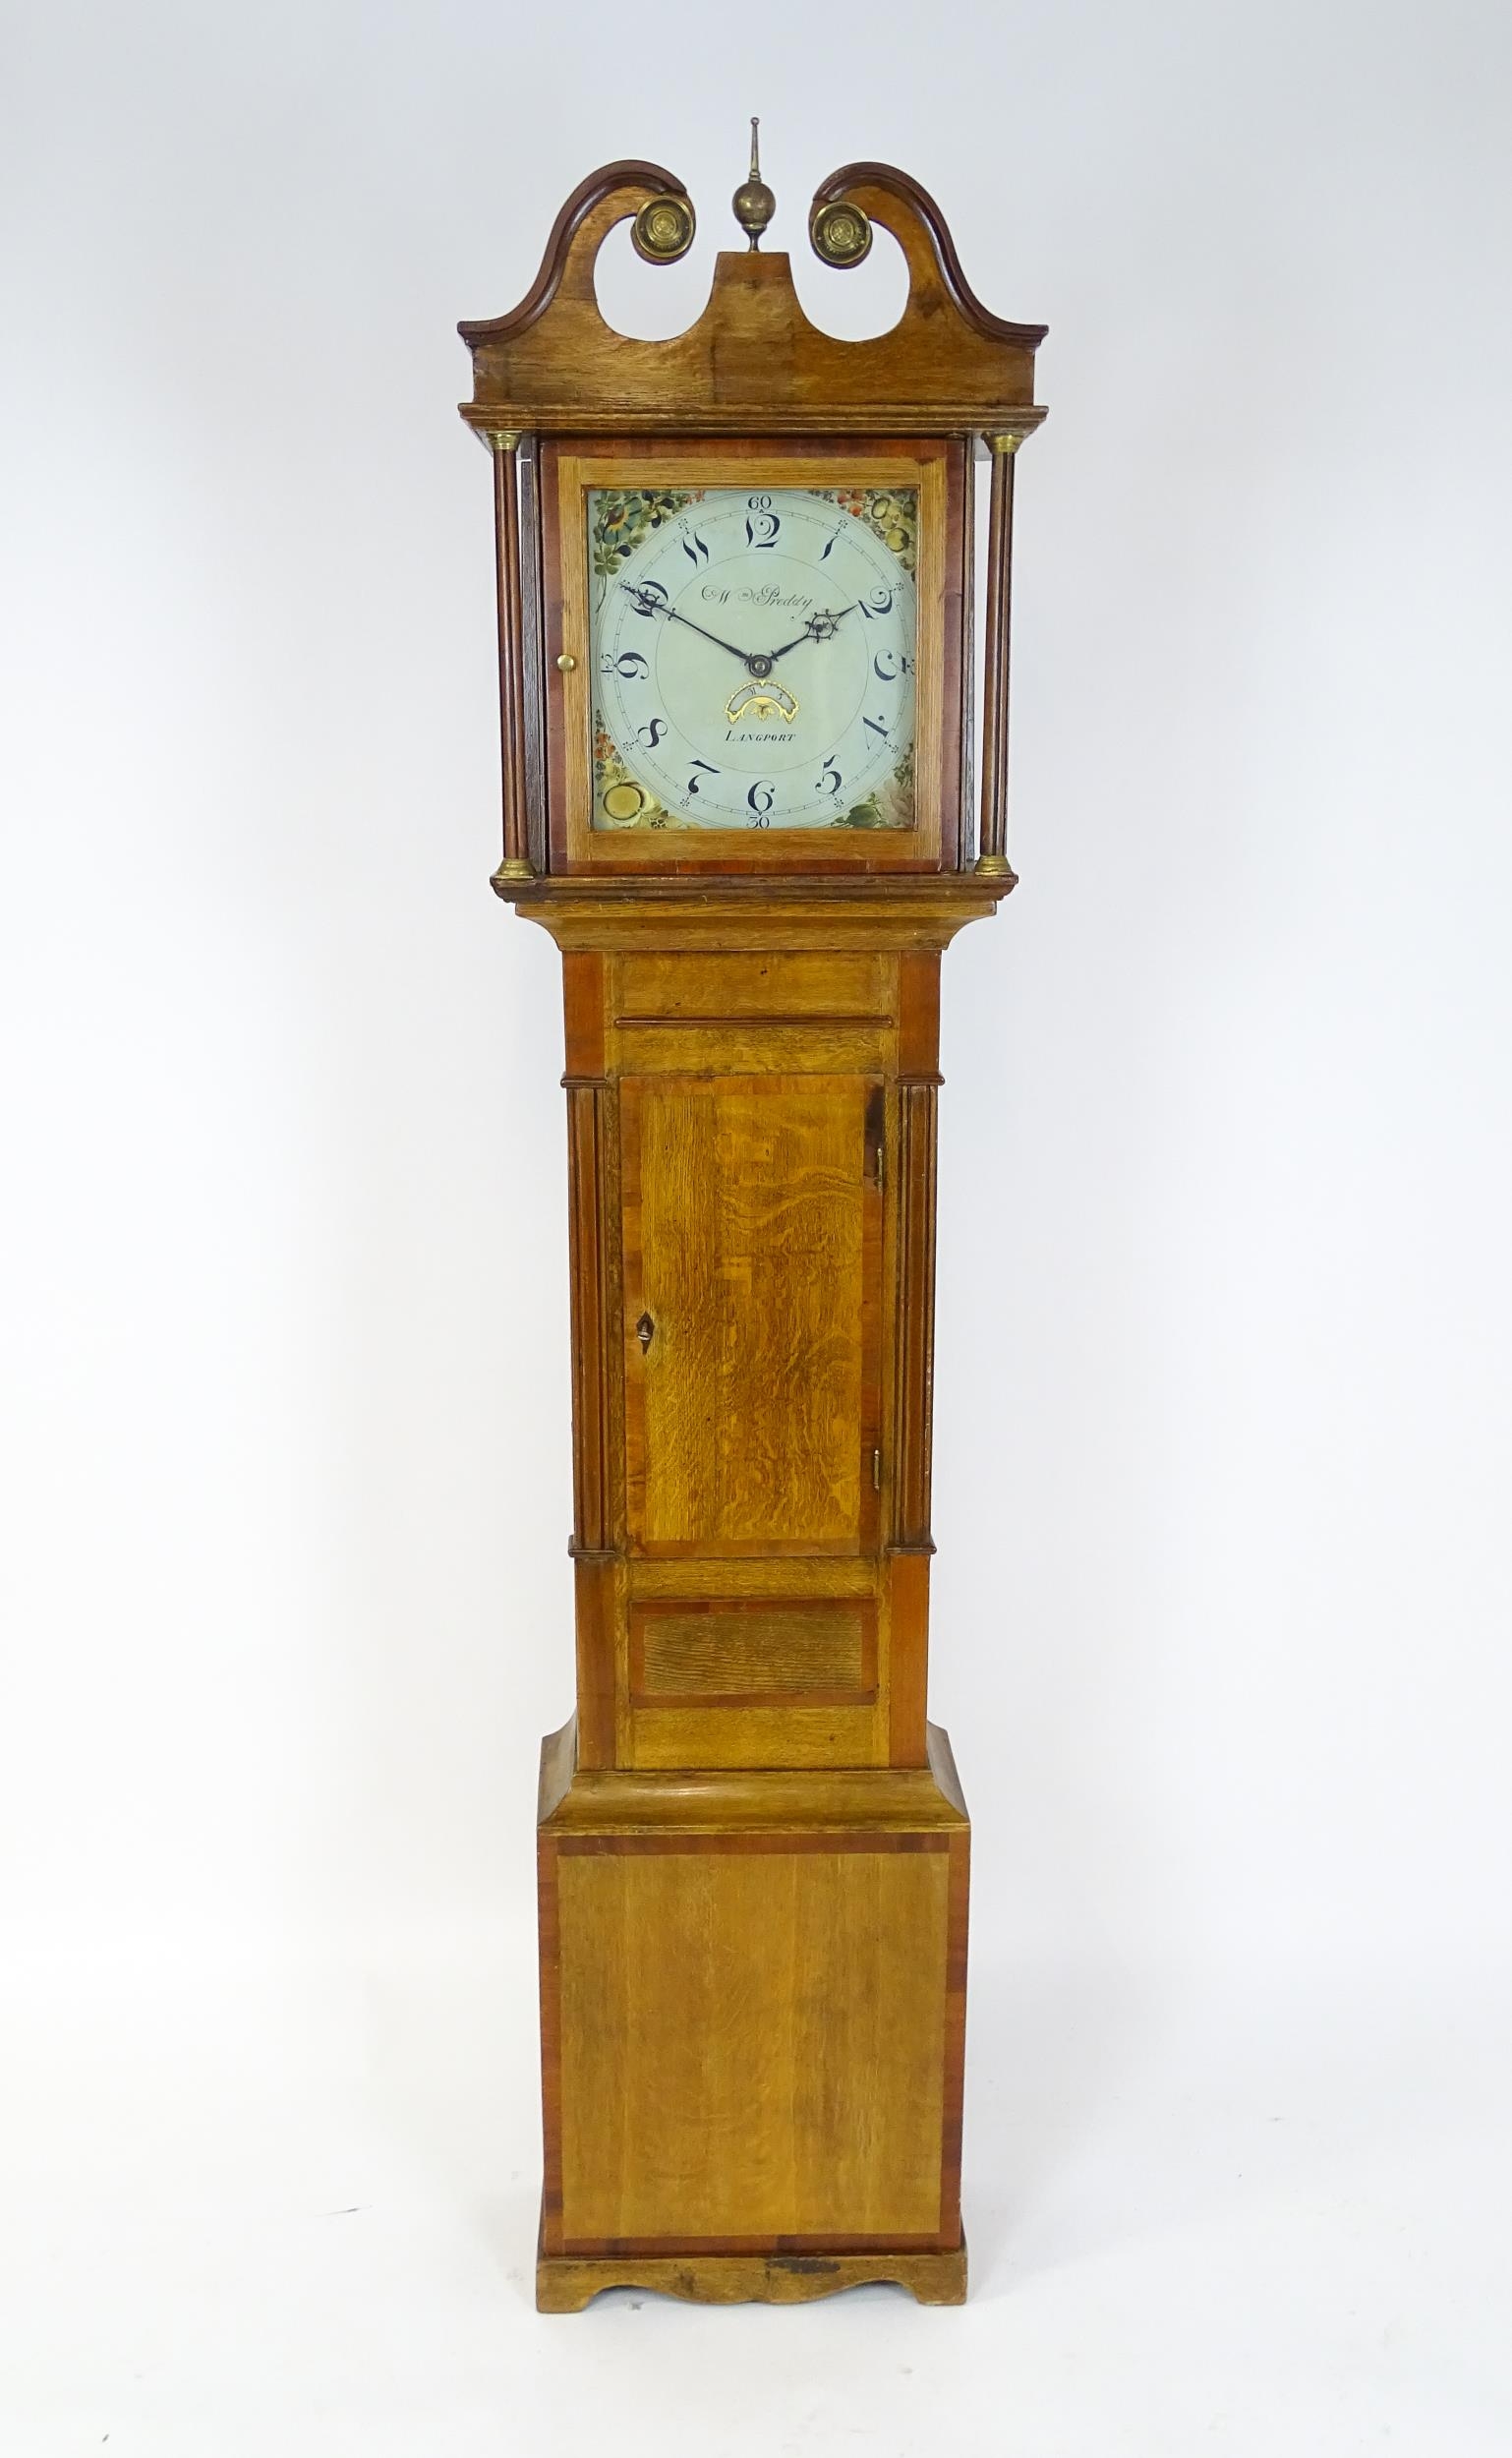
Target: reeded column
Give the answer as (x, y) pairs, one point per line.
(505, 444)
(992, 859)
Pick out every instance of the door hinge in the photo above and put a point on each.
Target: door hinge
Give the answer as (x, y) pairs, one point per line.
(876, 1470)
(879, 1166)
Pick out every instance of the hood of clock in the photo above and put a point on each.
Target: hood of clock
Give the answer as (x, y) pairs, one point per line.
(753, 360)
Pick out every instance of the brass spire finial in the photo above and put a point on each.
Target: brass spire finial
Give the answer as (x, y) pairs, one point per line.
(754, 203)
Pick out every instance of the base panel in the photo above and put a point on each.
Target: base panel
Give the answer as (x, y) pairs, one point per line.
(753, 1999)
(566, 2282)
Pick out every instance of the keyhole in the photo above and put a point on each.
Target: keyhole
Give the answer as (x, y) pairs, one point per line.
(645, 1332)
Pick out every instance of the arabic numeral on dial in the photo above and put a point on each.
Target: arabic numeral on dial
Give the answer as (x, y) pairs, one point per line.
(761, 797)
(629, 666)
(648, 598)
(880, 603)
(761, 529)
(693, 547)
(878, 726)
(709, 770)
(887, 673)
(829, 779)
(828, 547)
(648, 737)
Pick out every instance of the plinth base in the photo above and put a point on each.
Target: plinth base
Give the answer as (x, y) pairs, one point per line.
(566, 2282)
(752, 2015)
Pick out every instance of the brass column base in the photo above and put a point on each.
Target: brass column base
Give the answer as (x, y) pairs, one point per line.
(566, 2282)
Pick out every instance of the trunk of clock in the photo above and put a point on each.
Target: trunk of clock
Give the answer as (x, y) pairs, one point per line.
(753, 1849)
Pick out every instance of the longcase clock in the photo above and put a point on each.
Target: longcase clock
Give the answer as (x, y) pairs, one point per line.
(736, 604)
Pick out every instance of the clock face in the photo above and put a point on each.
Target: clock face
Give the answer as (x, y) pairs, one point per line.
(753, 653)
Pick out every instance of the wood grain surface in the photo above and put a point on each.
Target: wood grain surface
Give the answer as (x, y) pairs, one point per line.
(752, 360)
(904, 910)
(566, 2283)
(752, 2041)
(745, 1652)
(752, 1249)
(740, 1800)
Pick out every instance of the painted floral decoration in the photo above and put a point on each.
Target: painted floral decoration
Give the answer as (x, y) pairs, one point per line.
(888, 806)
(619, 519)
(890, 514)
(620, 800)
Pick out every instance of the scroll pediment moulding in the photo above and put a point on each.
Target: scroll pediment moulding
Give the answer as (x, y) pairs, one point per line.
(752, 361)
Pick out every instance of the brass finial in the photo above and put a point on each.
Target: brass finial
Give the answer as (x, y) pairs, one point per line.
(755, 203)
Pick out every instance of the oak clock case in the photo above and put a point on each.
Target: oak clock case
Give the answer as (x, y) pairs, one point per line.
(735, 592)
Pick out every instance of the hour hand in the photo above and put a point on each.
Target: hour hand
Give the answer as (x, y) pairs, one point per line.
(821, 626)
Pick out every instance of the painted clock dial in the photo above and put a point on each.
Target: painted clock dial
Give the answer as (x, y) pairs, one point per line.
(753, 656)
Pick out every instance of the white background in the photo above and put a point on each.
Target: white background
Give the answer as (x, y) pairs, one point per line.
(1222, 1601)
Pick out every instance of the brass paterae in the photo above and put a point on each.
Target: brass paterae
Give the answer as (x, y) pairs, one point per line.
(663, 230)
(840, 233)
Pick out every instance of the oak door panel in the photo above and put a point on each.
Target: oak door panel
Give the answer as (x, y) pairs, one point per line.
(752, 1256)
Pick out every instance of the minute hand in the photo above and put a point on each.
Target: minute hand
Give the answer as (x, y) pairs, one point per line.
(809, 633)
(646, 606)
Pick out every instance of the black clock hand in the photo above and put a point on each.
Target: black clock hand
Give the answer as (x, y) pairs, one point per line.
(654, 604)
(809, 633)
